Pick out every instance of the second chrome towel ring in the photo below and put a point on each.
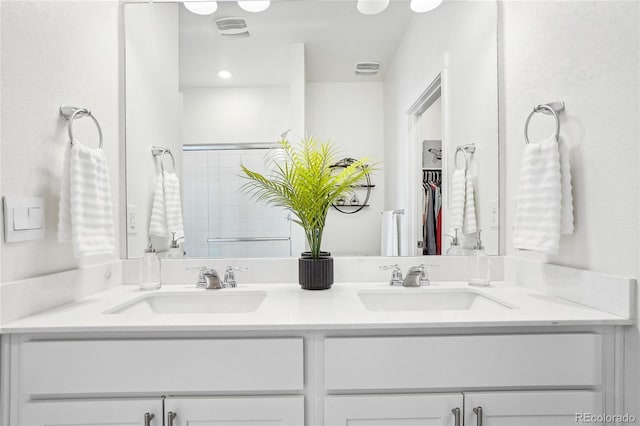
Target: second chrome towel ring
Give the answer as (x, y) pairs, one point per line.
(70, 113)
(464, 149)
(553, 108)
(161, 151)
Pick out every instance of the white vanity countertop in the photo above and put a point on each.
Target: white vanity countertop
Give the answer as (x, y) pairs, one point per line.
(287, 307)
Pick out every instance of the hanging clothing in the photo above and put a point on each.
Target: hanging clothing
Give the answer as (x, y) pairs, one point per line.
(432, 215)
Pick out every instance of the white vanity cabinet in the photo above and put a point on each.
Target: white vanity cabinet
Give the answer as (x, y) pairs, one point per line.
(116, 381)
(399, 380)
(312, 378)
(516, 408)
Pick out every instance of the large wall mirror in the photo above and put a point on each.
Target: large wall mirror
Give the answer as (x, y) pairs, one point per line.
(414, 92)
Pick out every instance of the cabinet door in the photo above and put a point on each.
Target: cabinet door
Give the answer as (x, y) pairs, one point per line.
(112, 412)
(544, 408)
(392, 410)
(238, 411)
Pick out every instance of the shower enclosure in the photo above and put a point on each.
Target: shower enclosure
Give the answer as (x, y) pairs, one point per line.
(219, 219)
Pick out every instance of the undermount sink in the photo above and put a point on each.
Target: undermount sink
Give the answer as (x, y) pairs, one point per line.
(209, 302)
(417, 299)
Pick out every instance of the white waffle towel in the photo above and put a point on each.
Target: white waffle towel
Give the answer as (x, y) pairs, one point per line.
(544, 204)
(469, 226)
(166, 213)
(85, 210)
(456, 207)
(392, 230)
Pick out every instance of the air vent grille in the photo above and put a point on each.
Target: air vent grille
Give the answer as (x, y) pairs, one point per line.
(232, 27)
(368, 68)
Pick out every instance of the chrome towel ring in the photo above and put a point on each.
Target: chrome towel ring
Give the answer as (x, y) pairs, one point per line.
(70, 113)
(161, 151)
(553, 108)
(464, 149)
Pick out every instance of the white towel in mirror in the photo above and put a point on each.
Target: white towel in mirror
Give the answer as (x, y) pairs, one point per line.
(166, 213)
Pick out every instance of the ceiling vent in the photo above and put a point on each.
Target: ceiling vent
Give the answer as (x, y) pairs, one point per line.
(368, 68)
(232, 27)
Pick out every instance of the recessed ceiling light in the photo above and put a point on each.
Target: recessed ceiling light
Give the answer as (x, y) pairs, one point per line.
(254, 5)
(201, 7)
(421, 6)
(224, 74)
(372, 7)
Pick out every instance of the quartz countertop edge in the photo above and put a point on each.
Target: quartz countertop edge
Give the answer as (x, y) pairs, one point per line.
(286, 307)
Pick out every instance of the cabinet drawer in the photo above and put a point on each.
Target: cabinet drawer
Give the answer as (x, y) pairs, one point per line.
(167, 366)
(463, 362)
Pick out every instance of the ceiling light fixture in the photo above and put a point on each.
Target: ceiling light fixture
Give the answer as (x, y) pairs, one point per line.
(224, 74)
(254, 5)
(201, 7)
(422, 6)
(372, 7)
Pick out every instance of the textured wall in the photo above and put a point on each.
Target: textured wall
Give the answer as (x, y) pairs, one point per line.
(53, 53)
(587, 54)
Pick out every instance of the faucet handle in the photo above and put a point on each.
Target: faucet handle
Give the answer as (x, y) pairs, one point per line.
(237, 268)
(395, 267)
(230, 276)
(396, 274)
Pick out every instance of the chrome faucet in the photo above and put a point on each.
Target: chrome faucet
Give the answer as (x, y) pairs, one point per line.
(396, 274)
(207, 278)
(230, 276)
(416, 277)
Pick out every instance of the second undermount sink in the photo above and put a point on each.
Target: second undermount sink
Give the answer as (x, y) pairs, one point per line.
(208, 302)
(410, 299)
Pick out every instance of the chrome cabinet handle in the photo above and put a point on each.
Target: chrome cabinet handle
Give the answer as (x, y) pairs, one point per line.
(147, 418)
(456, 416)
(170, 416)
(478, 411)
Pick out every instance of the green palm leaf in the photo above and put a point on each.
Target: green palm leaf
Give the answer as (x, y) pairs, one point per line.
(303, 182)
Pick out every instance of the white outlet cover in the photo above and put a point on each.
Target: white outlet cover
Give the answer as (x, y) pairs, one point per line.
(495, 213)
(132, 225)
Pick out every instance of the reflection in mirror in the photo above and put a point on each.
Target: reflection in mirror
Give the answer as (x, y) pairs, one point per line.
(414, 92)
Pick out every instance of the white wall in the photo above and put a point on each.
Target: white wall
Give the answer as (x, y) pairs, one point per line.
(152, 109)
(351, 116)
(53, 53)
(587, 55)
(235, 114)
(464, 32)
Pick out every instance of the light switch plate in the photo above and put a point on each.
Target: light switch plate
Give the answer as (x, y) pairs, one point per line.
(23, 218)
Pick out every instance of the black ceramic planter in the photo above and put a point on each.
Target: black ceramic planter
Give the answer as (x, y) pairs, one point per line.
(315, 273)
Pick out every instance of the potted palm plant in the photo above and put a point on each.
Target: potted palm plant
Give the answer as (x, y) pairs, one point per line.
(304, 182)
